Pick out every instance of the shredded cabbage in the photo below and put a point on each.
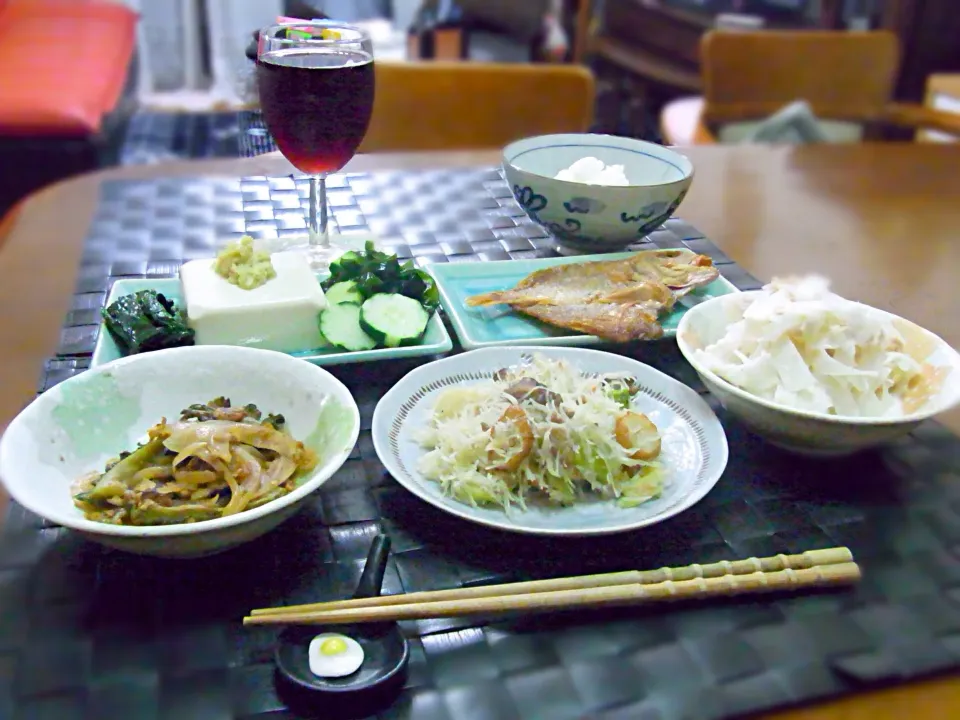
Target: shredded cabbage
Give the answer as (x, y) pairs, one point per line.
(800, 345)
(545, 432)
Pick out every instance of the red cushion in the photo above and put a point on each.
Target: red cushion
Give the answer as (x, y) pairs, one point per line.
(63, 64)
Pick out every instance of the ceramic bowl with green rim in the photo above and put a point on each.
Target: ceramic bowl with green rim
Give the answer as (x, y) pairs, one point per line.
(77, 426)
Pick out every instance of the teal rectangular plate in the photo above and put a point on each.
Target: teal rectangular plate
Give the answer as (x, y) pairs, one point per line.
(498, 325)
(436, 340)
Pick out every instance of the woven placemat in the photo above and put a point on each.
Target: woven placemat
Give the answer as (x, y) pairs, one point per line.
(90, 633)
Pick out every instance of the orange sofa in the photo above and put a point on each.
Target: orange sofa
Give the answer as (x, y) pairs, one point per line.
(66, 87)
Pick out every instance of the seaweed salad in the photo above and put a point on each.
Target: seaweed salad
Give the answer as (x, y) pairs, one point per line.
(145, 321)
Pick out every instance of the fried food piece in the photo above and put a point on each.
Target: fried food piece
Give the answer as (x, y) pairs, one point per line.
(610, 321)
(635, 431)
(617, 300)
(511, 439)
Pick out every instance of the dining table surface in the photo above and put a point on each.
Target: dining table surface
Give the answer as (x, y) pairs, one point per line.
(881, 221)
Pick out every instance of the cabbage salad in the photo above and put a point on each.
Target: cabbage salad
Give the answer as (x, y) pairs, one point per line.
(542, 431)
(800, 345)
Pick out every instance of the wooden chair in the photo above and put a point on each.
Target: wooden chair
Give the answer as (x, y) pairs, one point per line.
(437, 105)
(845, 76)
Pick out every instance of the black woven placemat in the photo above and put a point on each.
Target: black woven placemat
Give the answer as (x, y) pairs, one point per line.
(91, 633)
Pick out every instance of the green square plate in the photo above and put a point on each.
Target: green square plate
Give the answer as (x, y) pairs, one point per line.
(436, 341)
(491, 326)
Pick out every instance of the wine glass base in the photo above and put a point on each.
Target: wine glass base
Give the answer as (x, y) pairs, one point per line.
(320, 257)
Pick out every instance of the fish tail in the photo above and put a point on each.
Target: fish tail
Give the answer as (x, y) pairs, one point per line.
(508, 297)
(491, 298)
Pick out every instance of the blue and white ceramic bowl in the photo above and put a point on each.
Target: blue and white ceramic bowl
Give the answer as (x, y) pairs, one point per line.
(596, 218)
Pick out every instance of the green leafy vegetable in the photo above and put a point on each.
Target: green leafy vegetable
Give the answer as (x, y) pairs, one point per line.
(220, 408)
(376, 272)
(150, 513)
(621, 390)
(145, 321)
(121, 474)
(275, 420)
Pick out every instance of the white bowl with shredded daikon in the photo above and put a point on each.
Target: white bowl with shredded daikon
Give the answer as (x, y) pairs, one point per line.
(814, 373)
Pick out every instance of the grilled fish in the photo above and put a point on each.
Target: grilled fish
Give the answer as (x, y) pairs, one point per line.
(617, 300)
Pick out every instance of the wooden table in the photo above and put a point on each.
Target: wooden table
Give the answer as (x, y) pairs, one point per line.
(881, 220)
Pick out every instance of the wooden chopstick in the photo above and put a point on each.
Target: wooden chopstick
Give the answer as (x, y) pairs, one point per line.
(808, 559)
(594, 597)
(801, 561)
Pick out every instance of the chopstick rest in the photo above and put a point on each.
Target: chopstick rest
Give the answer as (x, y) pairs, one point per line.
(596, 597)
(801, 561)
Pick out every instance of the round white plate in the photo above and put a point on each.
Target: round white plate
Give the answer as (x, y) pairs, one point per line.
(694, 445)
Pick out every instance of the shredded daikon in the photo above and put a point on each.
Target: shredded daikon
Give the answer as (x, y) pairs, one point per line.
(543, 431)
(802, 346)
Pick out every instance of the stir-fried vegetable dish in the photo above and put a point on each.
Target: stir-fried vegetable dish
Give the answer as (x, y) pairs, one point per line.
(216, 460)
(542, 431)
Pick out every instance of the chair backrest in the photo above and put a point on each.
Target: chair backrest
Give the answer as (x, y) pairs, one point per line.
(842, 75)
(434, 105)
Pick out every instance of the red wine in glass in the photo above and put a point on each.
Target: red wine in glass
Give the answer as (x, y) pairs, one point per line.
(316, 84)
(317, 103)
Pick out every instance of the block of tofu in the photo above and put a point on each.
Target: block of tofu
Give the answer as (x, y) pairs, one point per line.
(282, 314)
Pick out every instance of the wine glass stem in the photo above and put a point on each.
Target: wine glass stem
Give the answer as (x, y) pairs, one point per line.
(319, 232)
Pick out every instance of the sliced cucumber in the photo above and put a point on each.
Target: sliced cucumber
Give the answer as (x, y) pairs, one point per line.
(345, 291)
(393, 320)
(340, 325)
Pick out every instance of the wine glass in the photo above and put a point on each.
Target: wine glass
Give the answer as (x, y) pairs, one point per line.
(316, 85)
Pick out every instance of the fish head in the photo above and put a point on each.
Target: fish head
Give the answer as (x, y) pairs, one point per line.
(679, 270)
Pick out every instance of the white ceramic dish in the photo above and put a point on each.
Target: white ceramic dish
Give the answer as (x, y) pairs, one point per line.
(76, 426)
(694, 444)
(809, 433)
(596, 218)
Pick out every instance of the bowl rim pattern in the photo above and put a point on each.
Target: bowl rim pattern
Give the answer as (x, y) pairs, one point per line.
(678, 160)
